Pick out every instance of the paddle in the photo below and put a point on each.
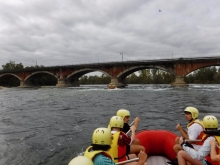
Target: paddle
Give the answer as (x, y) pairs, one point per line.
(128, 161)
(130, 125)
(197, 140)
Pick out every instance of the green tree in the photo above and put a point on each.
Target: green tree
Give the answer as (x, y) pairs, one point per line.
(11, 65)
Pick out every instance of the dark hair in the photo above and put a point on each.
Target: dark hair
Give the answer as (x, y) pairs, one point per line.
(100, 147)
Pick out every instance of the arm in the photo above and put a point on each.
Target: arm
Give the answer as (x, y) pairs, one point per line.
(213, 153)
(133, 129)
(136, 122)
(182, 131)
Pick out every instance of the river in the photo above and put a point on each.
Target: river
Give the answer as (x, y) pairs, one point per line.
(50, 126)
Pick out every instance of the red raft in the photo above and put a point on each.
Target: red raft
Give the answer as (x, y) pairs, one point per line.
(158, 142)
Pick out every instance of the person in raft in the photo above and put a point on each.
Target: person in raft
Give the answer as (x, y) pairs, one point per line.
(213, 154)
(194, 131)
(202, 156)
(81, 160)
(101, 143)
(125, 115)
(120, 147)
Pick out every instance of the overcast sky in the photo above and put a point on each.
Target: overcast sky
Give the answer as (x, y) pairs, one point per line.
(65, 32)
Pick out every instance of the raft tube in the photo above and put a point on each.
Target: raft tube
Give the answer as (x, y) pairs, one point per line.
(158, 142)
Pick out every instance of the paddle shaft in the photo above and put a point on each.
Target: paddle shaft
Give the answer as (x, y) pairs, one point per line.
(128, 161)
(199, 140)
(130, 125)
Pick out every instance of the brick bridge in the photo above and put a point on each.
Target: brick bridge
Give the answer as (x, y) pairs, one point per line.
(69, 75)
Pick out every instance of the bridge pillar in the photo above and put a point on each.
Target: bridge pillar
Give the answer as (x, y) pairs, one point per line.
(65, 83)
(179, 82)
(24, 84)
(61, 83)
(116, 83)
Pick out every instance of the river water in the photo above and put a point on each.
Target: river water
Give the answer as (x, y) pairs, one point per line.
(50, 126)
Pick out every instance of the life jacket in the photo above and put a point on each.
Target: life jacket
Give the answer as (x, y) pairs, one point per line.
(201, 133)
(118, 152)
(208, 158)
(91, 154)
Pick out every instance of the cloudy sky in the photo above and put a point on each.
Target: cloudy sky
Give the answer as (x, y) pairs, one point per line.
(65, 32)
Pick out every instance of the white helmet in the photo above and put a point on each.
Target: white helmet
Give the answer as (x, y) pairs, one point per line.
(81, 160)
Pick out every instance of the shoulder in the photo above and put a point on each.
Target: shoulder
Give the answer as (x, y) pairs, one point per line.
(122, 134)
(126, 125)
(209, 139)
(196, 126)
(101, 159)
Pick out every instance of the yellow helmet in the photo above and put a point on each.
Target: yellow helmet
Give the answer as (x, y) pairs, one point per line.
(193, 111)
(116, 121)
(122, 113)
(102, 136)
(210, 121)
(83, 160)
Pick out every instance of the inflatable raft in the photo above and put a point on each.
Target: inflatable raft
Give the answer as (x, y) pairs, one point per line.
(158, 145)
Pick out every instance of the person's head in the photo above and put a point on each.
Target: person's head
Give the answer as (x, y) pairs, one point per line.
(116, 122)
(191, 113)
(82, 160)
(101, 139)
(210, 122)
(124, 114)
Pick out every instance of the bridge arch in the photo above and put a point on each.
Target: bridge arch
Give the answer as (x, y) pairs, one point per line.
(128, 71)
(6, 74)
(81, 72)
(39, 72)
(39, 78)
(196, 67)
(73, 78)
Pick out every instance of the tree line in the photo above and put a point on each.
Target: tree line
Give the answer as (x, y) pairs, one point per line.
(208, 75)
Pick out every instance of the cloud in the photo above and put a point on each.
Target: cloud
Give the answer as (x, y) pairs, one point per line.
(65, 32)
